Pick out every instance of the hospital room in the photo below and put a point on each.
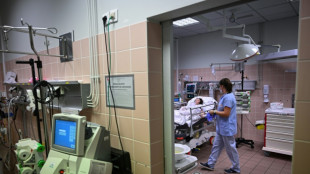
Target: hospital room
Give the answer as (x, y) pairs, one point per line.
(154, 87)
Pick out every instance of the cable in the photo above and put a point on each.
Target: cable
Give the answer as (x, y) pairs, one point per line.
(16, 129)
(250, 121)
(109, 84)
(50, 94)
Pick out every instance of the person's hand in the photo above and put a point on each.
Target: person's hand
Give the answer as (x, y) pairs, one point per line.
(212, 112)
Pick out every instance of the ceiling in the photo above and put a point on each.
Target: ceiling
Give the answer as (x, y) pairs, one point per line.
(249, 13)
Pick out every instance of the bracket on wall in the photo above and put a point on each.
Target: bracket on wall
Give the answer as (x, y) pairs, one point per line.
(65, 47)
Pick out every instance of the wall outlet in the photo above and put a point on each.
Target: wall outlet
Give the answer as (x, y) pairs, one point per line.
(112, 15)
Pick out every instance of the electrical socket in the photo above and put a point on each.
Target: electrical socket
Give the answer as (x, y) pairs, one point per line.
(112, 15)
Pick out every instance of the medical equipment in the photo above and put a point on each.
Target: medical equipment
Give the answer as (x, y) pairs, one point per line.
(190, 128)
(266, 93)
(243, 100)
(29, 156)
(78, 147)
(183, 161)
(191, 90)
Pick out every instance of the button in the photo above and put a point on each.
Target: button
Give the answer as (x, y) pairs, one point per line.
(61, 171)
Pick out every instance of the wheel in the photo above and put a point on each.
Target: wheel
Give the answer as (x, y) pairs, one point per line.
(267, 154)
(236, 145)
(211, 140)
(252, 146)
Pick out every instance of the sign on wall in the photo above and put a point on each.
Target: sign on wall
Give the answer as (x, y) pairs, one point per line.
(122, 87)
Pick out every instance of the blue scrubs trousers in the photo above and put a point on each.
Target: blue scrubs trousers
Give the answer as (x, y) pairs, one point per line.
(230, 145)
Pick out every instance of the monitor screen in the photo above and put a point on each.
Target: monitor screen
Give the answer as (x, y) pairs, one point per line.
(191, 87)
(65, 133)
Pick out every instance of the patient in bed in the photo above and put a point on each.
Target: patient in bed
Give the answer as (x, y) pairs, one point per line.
(183, 115)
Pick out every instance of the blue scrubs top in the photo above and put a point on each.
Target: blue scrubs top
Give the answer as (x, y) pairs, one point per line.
(227, 126)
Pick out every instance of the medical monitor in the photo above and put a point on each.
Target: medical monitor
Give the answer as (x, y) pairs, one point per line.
(68, 133)
(191, 87)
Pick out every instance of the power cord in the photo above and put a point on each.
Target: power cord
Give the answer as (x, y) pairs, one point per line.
(109, 76)
(50, 94)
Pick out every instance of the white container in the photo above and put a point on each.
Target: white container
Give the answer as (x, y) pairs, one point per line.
(279, 144)
(180, 150)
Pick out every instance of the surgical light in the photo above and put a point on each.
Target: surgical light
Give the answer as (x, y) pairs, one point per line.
(244, 52)
(185, 22)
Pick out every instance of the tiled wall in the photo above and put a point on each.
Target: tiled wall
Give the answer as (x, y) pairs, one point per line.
(301, 153)
(136, 49)
(281, 87)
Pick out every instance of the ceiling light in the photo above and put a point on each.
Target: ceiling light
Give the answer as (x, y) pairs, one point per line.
(185, 22)
(244, 52)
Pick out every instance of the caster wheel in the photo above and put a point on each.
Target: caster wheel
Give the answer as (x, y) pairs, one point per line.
(267, 154)
(252, 146)
(211, 140)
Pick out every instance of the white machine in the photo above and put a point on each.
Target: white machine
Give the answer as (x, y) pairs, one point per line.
(183, 162)
(78, 147)
(29, 156)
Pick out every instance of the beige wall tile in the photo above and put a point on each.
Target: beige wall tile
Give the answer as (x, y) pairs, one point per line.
(156, 130)
(141, 130)
(304, 8)
(158, 168)
(156, 107)
(132, 165)
(304, 37)
(139, 60)
(76, 48)
(155, 84)
(141, 84)
(125, 127)
(85, 48)
(302, 121)
(114, 141)
(142, 107)
(142, 169)
(122, 39)
(123, 62)
(157, 152)
(154, 35)
(142, 153)
(78, 68)
(155, 60)
(113, 124)
(69, 66)
(301, 157)
(86, 66)
(113, 64)
(55, 69)
(124, 112)
(303, 83)
(112, 42)
(138, 35)
(62, 70)
(128, 145)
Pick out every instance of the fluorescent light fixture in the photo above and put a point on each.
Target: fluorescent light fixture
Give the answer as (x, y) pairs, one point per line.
(185, 22)
(244, 52)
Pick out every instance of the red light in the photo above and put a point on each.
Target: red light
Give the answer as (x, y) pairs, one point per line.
(61, 171)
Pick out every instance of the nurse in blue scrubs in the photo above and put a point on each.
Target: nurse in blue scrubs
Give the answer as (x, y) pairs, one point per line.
(226, 128)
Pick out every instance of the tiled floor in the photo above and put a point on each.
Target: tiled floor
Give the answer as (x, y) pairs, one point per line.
(252, 161)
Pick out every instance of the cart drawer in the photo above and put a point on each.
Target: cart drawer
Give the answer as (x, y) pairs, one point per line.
(278, 128)
(279, 120)
(280, 123)
(279, 144)
(283, 117)
(279, 135)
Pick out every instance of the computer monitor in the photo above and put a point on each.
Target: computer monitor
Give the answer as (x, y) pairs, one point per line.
(191, 87)
(68, 133)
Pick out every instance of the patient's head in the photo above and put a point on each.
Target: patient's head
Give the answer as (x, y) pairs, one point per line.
(198, 101)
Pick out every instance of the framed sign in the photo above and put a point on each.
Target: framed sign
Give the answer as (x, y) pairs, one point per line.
(122, 87)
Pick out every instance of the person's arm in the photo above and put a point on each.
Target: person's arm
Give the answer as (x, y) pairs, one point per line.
(224, 113)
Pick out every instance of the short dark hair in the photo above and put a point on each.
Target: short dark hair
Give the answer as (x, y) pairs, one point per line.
(200, 101)
(227, 84)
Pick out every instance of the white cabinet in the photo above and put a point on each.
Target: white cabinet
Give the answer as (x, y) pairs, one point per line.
(279, 130)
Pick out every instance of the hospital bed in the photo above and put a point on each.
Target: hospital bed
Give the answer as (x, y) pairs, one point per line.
(190, 128)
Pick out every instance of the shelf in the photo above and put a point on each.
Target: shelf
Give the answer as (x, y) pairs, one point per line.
(51, 82)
